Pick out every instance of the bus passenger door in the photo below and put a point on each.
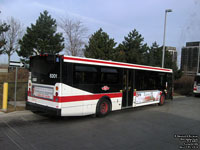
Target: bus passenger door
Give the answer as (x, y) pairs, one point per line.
(127, 94)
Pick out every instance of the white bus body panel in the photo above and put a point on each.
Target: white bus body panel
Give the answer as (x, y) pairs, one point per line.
(197, 91)
(86, 107)
(44, 102)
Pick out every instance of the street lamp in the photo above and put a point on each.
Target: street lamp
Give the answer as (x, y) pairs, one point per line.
(163, 56)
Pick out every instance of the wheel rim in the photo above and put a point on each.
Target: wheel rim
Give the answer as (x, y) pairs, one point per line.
(162, 99)
(104, 108)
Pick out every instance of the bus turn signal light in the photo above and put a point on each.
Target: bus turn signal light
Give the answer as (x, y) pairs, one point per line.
(56, 88)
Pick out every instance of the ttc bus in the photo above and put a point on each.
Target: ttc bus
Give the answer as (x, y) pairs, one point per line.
(75, 86)
(196, 89)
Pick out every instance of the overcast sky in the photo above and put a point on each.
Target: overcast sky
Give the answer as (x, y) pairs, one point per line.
(116, 17)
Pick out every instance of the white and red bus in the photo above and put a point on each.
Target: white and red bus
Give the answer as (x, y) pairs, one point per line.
(75, 86)
(196, 89)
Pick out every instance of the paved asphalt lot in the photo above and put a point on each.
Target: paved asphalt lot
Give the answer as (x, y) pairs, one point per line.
(143, 128)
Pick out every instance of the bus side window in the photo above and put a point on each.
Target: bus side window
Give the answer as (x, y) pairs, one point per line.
(109, 75)
(84, 74)
(140, 82)
(148, 80)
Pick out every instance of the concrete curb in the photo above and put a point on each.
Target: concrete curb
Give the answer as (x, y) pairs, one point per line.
(1, 113)
(14, 113)
(181, 96)
(18, 103)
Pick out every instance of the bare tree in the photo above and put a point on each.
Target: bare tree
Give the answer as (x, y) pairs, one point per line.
(12, 37)
(75, 35)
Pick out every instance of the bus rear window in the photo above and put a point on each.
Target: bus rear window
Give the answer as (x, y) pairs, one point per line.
(45, 69)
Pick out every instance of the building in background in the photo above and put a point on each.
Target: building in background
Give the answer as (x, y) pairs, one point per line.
(189, 58)
(173, 52)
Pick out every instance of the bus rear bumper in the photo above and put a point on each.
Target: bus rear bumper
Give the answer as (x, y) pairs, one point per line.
(41, 108)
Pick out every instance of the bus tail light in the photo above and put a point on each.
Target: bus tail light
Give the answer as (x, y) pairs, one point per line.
(195, 88)
(56, 93)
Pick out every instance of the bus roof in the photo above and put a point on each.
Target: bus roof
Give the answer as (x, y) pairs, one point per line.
(91, 61)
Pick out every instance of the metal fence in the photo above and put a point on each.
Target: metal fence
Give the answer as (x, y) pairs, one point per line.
(21, 92)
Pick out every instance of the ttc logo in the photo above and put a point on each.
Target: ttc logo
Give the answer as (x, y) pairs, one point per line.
(105, 88)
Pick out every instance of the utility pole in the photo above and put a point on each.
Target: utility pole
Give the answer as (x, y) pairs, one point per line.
(163, 54)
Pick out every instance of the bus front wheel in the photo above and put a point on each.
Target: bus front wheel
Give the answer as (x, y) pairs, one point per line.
(103, 108)
(162, 99)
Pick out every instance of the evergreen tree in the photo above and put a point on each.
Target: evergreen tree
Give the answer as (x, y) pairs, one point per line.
(119, 54)
(100, 46)
(134, 49)
(155, 55)
(155, 59)
(3, 28)
(41, 38)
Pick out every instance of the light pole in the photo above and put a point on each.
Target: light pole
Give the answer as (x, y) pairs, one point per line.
(163, 54)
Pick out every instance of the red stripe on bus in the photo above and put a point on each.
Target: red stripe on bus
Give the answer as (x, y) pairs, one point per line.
(115, 63)
(87, 97)
(62, 99)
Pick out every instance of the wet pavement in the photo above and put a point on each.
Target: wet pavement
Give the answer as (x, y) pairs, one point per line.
(149, 127)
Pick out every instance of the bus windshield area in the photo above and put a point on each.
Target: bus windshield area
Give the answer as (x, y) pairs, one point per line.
(45, 69)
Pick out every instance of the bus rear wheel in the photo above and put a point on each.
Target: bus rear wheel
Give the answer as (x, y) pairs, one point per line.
(162, 100)
(103, 108)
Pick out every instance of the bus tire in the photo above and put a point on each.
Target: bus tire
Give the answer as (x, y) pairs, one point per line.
(103, 107)
(162, 100)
